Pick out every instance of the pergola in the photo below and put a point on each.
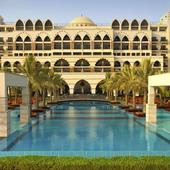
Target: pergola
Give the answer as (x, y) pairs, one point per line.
(151, 107)
(14, 80)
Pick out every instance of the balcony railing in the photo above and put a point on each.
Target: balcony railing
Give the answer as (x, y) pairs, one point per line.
(83, 69)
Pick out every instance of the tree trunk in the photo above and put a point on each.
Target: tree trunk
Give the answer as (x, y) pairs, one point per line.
(144, 100)
(51, 96)
(37, 101)
(15, 95)
(134, 101)
(43, 91)
(126, 99)
(30, 94)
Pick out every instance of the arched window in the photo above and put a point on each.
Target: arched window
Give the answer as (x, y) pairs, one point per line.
(29, 25)
(38, 43)
(86, 42)
(144, 25)
(126, 63)
(145, 43)
(47, 64)
(102, 65)
(47, 43)
(136, 43)
(115, 25)
(66, 42)
(106, 42)
(19, 43)
(39, 25)
(125, 25)
(19, 39)
(16, 66)
(7, 66)
(135, 25)
(117, 43)
(117, 64)
(125, 43)
(19, 25)
(136, 39)
(27, 43)
(136, 63)
(82, 62)
(48, 25)
(77, 42)
(82, 87)
(57, 42)
(157, 64)
(97, 42)
(61, 66)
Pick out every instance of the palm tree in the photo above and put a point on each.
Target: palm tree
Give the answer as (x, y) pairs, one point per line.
(143, 72)
(109, 85)
(30, 70)
(127, 81)
(55, 82)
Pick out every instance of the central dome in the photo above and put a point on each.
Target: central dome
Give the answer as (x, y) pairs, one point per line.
(82, 21)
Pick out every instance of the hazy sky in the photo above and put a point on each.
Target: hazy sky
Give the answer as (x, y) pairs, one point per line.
(100, 11)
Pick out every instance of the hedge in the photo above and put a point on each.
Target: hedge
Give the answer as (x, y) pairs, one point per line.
(78, 163)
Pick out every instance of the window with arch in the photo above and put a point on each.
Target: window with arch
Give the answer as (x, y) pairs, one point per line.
(39, 43)
(157, 64)
(117, 43)
(77, 42)
(86, 42)
(19, 43)
(117, 66)
(136, 43)
(97, 42)
(47, 43)
(29, 25)
(125, 25)
(102, 65)
(61, 65)
(47, 64)
(125, 43)
(16, 67)
(106, 42)
(81, 66)
(48, 25)
(38, 25)
(116, 25)
(126, 63)
(144, 25)
(7, 66)
(135, 25)
(19, 25)
(57, 42)
(136, 63)
(66, 42)
(145, 43)
(27, 43)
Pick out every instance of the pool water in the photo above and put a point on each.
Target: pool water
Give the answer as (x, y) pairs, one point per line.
(94, 127)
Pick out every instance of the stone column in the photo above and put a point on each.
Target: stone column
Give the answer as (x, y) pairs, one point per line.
(151, 107)
(4, 114)
(25, 106)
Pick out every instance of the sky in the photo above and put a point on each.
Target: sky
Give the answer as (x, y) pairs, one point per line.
(100, 11)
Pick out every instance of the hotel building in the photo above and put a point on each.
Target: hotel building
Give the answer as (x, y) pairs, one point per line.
(82, 51)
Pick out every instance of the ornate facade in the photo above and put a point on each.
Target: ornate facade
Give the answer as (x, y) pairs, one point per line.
(83, 51)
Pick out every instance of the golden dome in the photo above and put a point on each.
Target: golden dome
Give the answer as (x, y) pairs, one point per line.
(82, 21)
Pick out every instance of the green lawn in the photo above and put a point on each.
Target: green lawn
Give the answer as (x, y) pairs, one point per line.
(77, 163)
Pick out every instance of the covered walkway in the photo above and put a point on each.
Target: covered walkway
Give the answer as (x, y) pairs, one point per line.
(12, 80)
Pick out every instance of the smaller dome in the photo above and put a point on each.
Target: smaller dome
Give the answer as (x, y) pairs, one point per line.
(82, 21)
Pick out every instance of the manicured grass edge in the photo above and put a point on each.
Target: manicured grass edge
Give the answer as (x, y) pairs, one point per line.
(79, 163)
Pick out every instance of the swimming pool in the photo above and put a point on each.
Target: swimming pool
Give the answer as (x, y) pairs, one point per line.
(90, 129)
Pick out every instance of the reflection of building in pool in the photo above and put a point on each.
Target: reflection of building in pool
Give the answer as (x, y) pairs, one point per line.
(82, 50)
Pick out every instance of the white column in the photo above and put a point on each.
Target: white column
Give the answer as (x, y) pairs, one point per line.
(93, 90)
(4, 114)
(151, 107)
(71, 90)
(25, 106)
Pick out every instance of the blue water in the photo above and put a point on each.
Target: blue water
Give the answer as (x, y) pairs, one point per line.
(93, 127)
